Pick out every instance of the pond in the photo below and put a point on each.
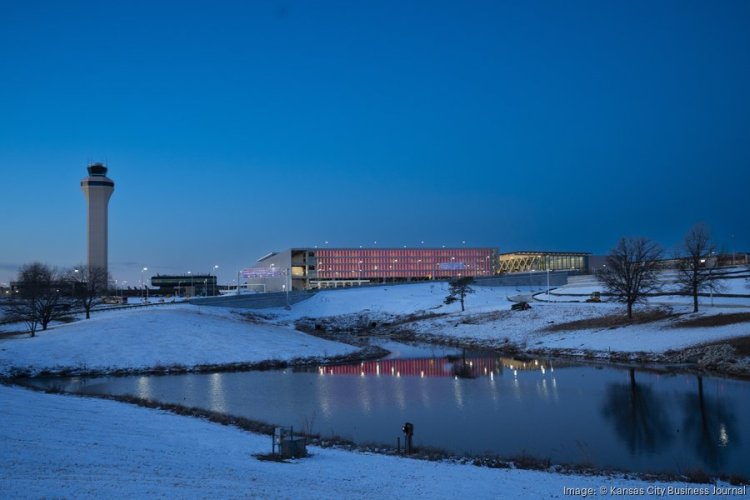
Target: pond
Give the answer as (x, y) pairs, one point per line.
(604, 417)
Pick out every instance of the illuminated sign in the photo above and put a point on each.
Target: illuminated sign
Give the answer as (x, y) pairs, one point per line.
(451, 266)
(260, 272)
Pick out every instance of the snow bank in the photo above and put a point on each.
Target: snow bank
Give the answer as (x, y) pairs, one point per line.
(165, 335)
(488, 318)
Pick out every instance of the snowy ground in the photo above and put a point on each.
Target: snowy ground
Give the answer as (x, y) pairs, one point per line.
(163, 336)
(488, 318)
(735, 283)
(70, 447)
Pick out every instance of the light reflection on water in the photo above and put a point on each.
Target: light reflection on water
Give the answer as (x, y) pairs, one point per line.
(568, 414)
(217, 393)
(144, 387)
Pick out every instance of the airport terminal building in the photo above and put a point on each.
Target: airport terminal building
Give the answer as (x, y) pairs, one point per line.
(314, 268)
(530, 261)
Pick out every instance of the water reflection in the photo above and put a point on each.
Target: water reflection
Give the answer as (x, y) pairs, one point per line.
(144, 387)
(566, 413)
(218, 402)
(324, 397)
(452, 366)
(638, 416)
(709, 426)
(458, 393)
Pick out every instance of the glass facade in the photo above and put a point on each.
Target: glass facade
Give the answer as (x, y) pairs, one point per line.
(540, 261)
(400, 263)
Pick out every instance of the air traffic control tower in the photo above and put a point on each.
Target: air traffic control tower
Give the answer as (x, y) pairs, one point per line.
(97, 188)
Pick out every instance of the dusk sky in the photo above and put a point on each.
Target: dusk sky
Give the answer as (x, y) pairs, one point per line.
(232, 129)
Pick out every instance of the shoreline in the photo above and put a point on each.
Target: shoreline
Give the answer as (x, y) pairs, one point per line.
(640, 361)
(428, 454)
(682, 361)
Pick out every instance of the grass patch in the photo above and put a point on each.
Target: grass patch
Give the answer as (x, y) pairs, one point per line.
(714, 320)
(529, 462)
(698, 476)
(478, 319)
(741, 345)
(257, 318)
(613, 321)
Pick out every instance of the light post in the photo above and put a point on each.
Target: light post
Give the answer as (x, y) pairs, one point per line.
(713, 262)
(216, 272)
(531, 280)
(284, 287)
(144, 285)
(547, 265)
(73, 285)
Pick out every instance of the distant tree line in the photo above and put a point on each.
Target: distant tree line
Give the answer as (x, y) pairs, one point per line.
(42, 294)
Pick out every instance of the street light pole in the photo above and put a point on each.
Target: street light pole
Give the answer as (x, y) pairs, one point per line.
(286, 285)
(75, 279)
(144, 284)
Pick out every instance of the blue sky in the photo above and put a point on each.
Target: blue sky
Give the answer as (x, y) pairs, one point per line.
(232, 129)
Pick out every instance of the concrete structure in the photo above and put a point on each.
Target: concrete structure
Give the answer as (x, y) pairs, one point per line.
(97, 188)
(254, 300)
(316, 268)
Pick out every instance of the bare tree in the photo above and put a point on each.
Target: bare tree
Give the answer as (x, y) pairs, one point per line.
(696, 265)
(88, 285)
(22, 309)
(631, 270)
(37, 300)
(459, 289)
